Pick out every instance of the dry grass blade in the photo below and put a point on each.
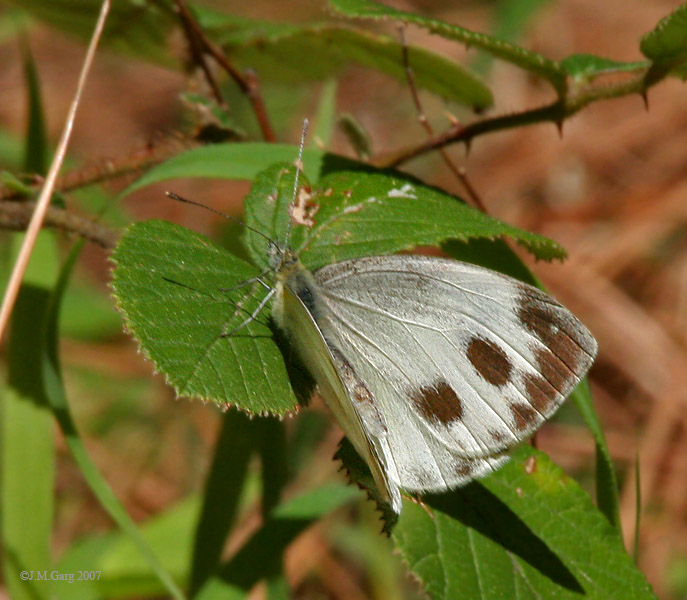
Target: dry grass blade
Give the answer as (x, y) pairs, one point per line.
(44, 199)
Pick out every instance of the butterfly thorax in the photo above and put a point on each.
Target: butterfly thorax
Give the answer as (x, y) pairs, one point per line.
(293, 279)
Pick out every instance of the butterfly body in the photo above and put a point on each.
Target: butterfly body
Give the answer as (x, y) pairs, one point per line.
(433, 367)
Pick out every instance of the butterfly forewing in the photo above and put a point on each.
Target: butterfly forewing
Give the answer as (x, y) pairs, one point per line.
(460, 362)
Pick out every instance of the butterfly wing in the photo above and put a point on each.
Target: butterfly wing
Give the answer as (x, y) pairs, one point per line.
(344, 393)
(458, 363)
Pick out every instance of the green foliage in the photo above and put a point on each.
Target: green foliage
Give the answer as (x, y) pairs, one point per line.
(174, 289)
(526, 531)
(666, 45)
(531, 61)
(183, 297)
(294, 53)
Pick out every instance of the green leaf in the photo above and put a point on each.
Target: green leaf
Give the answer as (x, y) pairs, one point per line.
(27, 453)
(133, 27)
(321, 132)
(585, 67)
(122, 572)
(605, 476)
(667, 43)
(36, 144)
(530, 61)
(356, 135)
(229, 161)
(290, 53)
(366, 213)
(13, 183)
(177, 292)
(213, 122)
(526, 531)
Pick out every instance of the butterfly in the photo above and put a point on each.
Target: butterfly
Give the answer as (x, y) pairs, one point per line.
(433, 368)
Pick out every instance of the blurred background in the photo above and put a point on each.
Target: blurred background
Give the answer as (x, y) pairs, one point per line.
(612, 189)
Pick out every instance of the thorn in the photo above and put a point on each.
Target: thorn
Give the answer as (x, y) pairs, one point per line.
(559, 126)
(452, 119)
(468, 145)
(645, 96)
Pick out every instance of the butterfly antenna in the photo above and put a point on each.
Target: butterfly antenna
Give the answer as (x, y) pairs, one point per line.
(299, 167)
(178, 198)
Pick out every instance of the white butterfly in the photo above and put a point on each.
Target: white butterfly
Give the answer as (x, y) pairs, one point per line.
(434, 368)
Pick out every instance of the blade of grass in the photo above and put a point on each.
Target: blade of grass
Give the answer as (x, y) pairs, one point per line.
(606, 479)
(235, 445)
(638, 510)
(326, 115)
(27, 441)
(273, 456)
(56, 395)
(35, 156)
(27, 451)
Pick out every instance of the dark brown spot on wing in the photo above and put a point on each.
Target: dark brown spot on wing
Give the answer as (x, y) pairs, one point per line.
(525, 416)
(357, 390)
(464, 469)
(497, 436)
(438, 402)
(560, 335)
(490, 361)
(540, 392)
(554, 370)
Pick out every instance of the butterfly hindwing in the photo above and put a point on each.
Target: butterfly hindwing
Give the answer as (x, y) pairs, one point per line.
(459, 362)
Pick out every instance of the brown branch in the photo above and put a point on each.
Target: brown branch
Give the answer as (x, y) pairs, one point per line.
(107, 169)
(556, 112)
(194, 37)
(15, 216)
(248, 83)
(422, 118)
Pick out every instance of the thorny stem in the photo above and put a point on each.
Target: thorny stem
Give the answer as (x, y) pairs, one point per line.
(422, 118)
(104, 170)
(578, 97)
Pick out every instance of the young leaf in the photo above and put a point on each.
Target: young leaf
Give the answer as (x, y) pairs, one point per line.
(666, 45)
